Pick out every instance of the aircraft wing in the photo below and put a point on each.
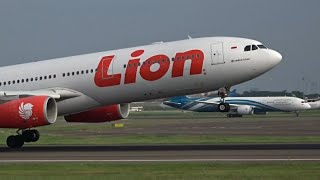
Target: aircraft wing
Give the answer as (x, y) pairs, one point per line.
(57, 93)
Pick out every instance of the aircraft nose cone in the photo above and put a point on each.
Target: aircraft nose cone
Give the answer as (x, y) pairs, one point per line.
(307, 106)
(276, 57)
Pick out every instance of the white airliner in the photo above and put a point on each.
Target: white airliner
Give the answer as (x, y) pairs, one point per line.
(97, 87)
(314, 103)
(240, 105)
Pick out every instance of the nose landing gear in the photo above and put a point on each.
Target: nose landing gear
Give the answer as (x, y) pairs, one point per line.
(17, 141)
(223, 106)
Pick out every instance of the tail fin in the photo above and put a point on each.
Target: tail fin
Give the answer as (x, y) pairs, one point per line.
(178, 98)
(233, 93)
(177, 101)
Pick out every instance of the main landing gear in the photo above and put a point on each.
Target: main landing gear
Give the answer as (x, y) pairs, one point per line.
(223, 106)
(17, 141)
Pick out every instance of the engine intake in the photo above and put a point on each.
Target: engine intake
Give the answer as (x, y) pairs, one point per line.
(100, 115)
(245, 110)
(28, 112)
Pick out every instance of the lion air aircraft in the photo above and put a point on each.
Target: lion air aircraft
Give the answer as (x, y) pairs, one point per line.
(97, 87)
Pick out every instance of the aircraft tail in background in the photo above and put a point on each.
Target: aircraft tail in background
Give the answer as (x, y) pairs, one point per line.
(233, 93)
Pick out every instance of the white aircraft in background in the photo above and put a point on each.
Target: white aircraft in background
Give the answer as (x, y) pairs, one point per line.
(97, 87)
(240, 105)
(314, 103)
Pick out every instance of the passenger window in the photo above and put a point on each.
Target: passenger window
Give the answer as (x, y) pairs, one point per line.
(13, 82)
(247, 48)
(40, 78)
(22, 80)
(54, 76)
(82, 72)
(64, 74)
(18, 81)
(4, 83)
(87, 71)
(49, 76)
(92, 70)
(78, 72)
(9, 82)
(254, 47)
(68, 74)
(31, 79)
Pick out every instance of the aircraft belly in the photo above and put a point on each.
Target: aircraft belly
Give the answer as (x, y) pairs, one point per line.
(75, 105)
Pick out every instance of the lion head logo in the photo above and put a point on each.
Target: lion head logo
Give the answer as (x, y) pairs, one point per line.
(25, 111)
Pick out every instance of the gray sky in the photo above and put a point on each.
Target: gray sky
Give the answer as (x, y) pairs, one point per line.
(40, 29)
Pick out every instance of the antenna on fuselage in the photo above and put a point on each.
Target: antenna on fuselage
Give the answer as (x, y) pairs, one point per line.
(189, 36)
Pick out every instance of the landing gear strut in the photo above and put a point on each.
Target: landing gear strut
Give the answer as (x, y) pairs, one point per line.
(17, 141)
(223, 106)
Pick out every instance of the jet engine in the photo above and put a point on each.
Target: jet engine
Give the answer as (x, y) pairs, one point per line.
(29, 112)
(245, 110)
(100, 115)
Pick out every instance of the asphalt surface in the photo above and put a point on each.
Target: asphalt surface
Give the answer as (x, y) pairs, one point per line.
(154, 153)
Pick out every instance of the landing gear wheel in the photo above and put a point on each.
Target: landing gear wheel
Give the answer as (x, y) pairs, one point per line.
(31, 135)
(27, 136)
(224, 107)
(15, 141)
(36, 135)
(11, 141)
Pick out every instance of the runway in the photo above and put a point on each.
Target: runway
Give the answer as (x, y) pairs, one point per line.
(164, 153)
(288, 127)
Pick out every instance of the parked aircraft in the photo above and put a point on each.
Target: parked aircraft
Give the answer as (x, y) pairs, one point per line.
(240, 105)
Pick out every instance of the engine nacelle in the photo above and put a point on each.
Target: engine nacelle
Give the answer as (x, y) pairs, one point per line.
(245, 110)
(100, 115)
(28, 112)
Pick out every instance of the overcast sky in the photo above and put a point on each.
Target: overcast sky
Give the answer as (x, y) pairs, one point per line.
(40, 29)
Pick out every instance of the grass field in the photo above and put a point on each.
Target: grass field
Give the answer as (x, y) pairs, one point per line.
(156, 171)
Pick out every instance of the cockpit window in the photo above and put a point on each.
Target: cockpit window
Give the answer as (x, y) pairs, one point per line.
(254, 47)
(247, 48)
(262, 46)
